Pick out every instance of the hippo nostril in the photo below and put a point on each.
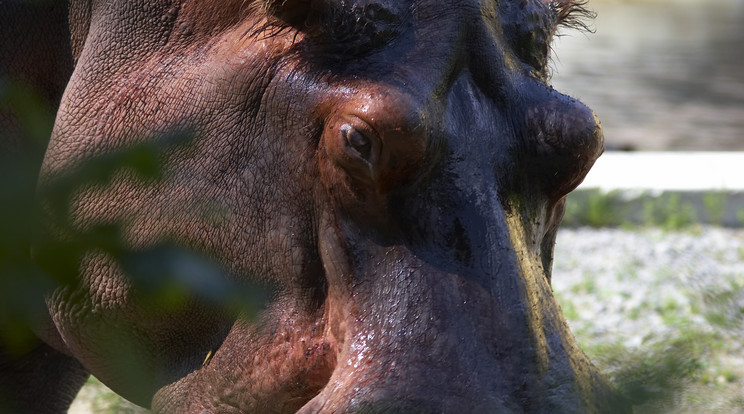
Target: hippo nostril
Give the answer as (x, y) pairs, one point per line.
(564, 125)
(565, 138)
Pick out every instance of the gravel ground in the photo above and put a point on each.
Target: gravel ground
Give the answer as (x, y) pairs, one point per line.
(661, 312)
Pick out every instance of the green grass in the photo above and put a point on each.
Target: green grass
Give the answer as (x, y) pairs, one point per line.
(97, 398)
(715, 205)
(594, 209)
(668, 210)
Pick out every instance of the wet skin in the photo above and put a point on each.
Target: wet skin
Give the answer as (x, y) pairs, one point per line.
(396, 168)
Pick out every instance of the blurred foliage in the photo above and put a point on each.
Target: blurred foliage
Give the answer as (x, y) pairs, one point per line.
(30, 114)
(596, 209)
(715, 205)
(655, 375)
(669, 210)
(25, 125)
(167, 274)
(681, 371)
(95, 397)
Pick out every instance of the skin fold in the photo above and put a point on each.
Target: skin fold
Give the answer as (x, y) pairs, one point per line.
(394, 170)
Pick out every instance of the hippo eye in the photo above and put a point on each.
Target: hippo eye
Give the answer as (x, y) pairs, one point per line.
(357, 141)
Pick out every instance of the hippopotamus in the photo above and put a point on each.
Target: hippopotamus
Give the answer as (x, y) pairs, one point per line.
(395, 170)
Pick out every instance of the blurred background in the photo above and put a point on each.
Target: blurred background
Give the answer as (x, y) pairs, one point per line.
(660, 74)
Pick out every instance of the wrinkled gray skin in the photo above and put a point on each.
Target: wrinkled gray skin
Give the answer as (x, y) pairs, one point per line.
(396, 168)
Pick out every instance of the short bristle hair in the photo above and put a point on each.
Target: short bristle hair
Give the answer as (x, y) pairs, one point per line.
(573, 14)
(569, 14)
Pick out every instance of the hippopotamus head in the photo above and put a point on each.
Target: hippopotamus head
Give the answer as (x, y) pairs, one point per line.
(396, 168)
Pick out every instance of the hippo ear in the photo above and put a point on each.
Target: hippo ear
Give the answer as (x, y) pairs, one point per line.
(291, 12)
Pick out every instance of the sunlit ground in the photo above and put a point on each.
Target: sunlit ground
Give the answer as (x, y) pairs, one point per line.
(660, 312)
